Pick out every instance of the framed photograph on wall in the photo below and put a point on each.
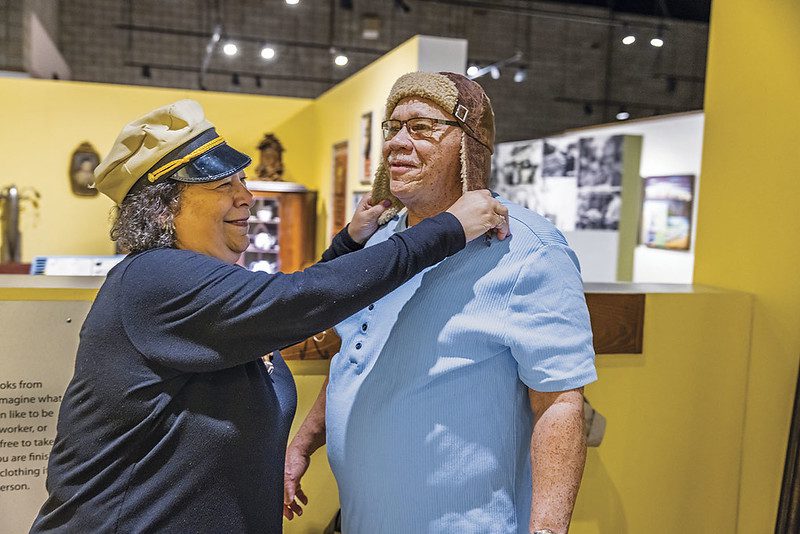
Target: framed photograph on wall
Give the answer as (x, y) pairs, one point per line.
(667, 212)
(600, 165)
(81, 170)
(365, 150)
(339, 188)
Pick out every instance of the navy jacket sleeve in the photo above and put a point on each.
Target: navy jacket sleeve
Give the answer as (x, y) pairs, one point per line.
(341, 244)
(195, 313)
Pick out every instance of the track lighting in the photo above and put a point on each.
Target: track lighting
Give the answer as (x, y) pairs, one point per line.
(230, 49)
(267, 52)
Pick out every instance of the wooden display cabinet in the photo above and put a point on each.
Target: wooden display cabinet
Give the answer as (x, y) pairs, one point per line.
(282, 229)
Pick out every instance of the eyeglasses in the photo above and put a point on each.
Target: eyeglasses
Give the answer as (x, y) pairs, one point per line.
(418, 127)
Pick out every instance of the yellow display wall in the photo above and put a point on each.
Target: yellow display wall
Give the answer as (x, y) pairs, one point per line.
(749, 223)
(44, 122)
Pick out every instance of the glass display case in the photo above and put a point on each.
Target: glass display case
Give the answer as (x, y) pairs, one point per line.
(282, 227)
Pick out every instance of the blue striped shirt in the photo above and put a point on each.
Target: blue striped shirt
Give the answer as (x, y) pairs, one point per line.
(428, 418)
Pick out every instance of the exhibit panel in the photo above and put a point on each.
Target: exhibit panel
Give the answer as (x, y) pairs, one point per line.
(672, 145)
(588, 186)
(41, 320)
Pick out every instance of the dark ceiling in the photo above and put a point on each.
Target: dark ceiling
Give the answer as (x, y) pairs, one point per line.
(697, 10)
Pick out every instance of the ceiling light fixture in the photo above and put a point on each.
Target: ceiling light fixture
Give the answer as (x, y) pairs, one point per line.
(520, 75)
(629, 39)
(657, 42)
(494, 68)
(292, 2)
(341, 60)
(268, 52)
(623, 115)
(230, 49)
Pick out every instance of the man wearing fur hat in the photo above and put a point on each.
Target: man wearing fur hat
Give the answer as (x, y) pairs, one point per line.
(455, 403)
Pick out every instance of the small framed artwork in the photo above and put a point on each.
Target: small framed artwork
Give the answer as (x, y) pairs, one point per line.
(81, 170)
(339, 188)
(365, 169)
(667, 212)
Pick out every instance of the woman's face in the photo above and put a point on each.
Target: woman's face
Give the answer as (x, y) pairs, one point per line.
(212, 218)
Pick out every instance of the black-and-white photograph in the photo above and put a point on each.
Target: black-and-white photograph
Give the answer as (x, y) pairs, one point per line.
(516, 173)
(598, 210)
(517, 163)
(559, 156)
(600, 161)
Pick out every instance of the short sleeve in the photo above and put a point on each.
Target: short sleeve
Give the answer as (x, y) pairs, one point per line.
(548, 331)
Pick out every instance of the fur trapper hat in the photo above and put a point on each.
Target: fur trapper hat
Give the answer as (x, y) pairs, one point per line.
(467, 102)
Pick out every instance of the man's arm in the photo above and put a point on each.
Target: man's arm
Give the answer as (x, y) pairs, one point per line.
(308, 439)
(558, 454)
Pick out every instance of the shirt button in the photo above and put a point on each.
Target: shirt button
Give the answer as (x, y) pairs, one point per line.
(358, 346)
(364, 327)
(371, 307)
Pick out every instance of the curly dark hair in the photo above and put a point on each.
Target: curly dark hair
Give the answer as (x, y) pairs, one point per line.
(144, 220)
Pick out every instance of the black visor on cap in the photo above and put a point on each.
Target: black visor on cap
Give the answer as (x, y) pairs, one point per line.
(217, 163)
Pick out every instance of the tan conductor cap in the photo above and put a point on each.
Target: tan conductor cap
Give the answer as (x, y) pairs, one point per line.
(176, 142)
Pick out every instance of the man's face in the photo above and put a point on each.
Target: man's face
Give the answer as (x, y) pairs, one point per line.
(423, 171)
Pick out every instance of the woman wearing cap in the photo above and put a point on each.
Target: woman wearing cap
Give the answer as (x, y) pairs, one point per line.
(172, 422)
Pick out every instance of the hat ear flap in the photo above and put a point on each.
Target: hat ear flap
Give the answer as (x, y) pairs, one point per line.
(381, 192)
(476, 162)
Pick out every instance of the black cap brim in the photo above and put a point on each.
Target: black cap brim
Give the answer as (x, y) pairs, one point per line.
(216, 164)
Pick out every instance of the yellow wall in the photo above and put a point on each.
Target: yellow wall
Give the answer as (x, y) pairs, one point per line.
(748, 221)
(670, 458)
(335, 116)
(45, 121)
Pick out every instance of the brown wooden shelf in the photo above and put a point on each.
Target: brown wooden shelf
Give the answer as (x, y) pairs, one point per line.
(617, 322)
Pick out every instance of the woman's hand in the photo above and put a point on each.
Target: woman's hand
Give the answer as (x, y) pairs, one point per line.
(479, 214)
(365, 219)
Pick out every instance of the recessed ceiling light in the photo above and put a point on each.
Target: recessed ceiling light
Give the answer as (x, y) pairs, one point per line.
(495, 73)
(230, 49)
(657, 42)
(623, 115)
(267, 52)
(629, 39)
(520, 75)
(341, 60)
(292, 2)
(472, 70)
